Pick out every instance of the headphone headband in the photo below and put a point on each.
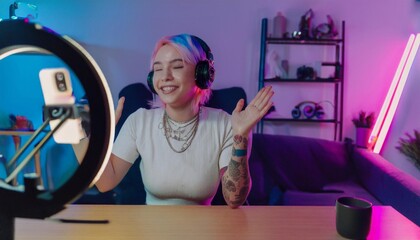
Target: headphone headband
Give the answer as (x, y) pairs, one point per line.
(306, 102)
(205, 47)
(309, 109)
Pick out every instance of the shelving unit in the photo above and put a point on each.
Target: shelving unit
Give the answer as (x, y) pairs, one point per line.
(337, 80)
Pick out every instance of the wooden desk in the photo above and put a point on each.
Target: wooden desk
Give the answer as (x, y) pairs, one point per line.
(201, 222)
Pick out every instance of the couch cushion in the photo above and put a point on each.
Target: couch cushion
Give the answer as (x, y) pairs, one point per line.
(328, 196)
(351, 189)
(300, 163)
(262, 183)
(299, 198)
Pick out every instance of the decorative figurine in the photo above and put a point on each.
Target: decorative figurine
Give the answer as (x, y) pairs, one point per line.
(275, 67)
(305, 26)
(20, 123)
(325, 30)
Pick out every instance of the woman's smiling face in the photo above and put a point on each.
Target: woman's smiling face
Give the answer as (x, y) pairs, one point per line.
(173, 78)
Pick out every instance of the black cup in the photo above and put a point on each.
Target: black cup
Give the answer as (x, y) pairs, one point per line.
(31, 183)
(353, 217)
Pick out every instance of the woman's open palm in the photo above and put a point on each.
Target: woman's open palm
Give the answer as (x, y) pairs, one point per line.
(244, 120)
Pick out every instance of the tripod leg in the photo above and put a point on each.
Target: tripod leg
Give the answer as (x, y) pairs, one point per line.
(7, 229)
(38, 169)
(17, 141)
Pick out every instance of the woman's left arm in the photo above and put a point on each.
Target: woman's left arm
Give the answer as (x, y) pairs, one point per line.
(236, 179)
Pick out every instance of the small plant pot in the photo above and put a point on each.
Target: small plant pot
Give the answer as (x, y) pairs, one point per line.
(362, 137)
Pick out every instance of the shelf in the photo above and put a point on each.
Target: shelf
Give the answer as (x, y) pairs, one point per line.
(336, 80)
(295, 80)
(16, 132)
(291, 41)
(331, 64)
(301, 120)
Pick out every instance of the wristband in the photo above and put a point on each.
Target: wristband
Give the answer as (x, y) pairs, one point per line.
(238, 152)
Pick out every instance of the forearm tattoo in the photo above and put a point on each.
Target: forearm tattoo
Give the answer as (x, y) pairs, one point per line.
(236, 181)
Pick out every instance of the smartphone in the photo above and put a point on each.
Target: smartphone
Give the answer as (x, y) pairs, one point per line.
(57, 91)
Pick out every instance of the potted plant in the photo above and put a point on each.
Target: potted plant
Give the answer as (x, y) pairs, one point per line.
(411, 147)
(363, 124)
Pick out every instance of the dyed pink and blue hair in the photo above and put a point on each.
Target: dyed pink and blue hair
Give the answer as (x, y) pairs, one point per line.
(191, 52)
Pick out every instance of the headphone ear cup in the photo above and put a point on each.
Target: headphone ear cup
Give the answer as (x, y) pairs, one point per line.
(296, 113)
(204, 74)
(319, 112)
(309, 110)
(150, 82)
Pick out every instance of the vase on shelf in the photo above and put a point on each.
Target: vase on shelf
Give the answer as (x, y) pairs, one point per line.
(363, 123)
(362, 137)
(279, 25)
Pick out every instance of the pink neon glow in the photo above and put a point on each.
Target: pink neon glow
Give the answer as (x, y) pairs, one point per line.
(382, 114)
(397, 95)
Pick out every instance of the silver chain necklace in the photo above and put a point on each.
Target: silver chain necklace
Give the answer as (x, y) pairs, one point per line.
(182, 132)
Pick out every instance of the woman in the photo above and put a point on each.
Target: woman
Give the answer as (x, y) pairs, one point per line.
(186, 148)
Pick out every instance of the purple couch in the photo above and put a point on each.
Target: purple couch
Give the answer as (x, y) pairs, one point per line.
(290, 170)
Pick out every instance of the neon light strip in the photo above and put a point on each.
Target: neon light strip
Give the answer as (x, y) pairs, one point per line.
(382, 114)
(397, 96)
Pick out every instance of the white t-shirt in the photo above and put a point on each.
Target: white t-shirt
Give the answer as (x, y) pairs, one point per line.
(190, 177)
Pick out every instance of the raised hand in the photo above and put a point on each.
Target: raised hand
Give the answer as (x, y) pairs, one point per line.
(243, 121)
(119, 109)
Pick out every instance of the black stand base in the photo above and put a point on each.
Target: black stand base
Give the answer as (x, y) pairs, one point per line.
(7, 227)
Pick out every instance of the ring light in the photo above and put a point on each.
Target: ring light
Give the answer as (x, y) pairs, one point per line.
(18, 36)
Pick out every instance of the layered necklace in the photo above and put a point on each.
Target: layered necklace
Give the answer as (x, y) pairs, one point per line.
(179, 135)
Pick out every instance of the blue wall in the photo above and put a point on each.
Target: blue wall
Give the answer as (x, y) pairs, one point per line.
(21, 94)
